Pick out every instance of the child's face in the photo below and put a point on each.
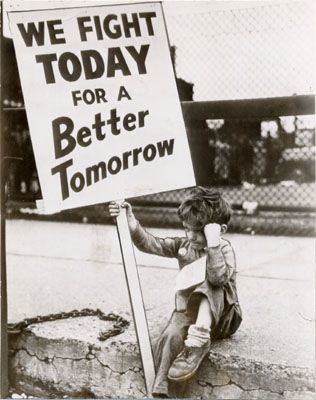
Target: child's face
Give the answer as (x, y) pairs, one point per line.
(195, 236)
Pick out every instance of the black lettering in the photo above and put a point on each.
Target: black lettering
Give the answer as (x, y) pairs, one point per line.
(141, 117)
(76, 97)
(149, 152)
(148, 16)
(165, 146)
(63, 61)
(114, 165)
(32, 32)
(77, 182)
(87, 57)
(93, 173)
(83, 134)
(115, 32)
(98, 28)
(100, 95)
(123, 93)
(61, 169)
(98, 124)
(128, 25)
(116, 62)
(140, 57)
(53, 32)
(129, 122)
(82, 28)
(65, 135)
(88, 96)
(125, 157)
(47, 60)
(135, 155)
(113, 121)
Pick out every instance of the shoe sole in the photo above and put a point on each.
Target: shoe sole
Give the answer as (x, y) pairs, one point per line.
(190, 375)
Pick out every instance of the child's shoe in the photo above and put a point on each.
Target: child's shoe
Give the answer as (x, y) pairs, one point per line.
(156, 395)
(187, 362)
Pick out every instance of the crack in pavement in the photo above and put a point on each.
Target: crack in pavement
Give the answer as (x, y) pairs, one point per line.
(50, 360)
(134, 369)
(232, 382)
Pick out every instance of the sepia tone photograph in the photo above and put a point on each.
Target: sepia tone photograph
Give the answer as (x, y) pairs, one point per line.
(157, 199)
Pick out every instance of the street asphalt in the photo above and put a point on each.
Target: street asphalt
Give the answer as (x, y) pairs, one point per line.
(53, 267)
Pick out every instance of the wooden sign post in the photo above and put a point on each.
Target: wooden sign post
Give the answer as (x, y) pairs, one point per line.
(4, 305)
(136, 299)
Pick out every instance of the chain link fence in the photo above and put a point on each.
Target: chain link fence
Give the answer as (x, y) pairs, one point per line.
(248, 51)
(221, 51)
(244, 50)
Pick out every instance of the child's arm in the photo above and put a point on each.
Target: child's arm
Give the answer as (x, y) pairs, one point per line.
(143, 240)
(220, 264)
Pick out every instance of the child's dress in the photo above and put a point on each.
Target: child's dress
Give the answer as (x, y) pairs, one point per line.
(219, 287)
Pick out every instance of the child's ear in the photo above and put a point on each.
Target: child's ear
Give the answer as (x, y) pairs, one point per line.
(223, 228)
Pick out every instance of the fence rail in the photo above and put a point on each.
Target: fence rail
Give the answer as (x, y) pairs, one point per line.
(249, 108)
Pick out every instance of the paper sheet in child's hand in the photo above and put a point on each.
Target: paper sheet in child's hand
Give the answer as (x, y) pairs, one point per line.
(191, 275)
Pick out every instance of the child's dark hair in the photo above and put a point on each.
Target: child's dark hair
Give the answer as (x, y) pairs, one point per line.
(204, 206)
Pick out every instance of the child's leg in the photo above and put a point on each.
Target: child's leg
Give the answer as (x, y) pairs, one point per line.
(167, 347)
(204, 317)
(197, 345)
(199, 333)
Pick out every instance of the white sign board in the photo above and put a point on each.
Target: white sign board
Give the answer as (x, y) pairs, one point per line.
(102, 104)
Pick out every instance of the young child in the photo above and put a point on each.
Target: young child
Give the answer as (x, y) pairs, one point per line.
(206, 302)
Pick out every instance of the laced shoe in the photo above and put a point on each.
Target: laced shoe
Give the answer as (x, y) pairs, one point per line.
(187, 362)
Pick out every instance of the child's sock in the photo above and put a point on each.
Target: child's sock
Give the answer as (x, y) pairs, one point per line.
(198, 336)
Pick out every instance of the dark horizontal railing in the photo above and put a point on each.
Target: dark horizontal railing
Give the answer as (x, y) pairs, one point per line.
(249, 108)
(175, 204)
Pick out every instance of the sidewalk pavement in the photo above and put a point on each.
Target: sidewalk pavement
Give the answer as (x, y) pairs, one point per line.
(54, 267)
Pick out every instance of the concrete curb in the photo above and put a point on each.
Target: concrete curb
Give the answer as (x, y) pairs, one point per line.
(65, 358)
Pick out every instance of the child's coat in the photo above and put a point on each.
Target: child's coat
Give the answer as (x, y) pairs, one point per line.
(219, 285)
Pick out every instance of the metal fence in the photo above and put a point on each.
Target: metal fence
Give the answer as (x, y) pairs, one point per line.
(244, 50)
(254, 150)
(249, 51)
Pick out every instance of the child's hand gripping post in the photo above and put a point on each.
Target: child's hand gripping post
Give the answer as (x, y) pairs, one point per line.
(115, 208)
(212, 234)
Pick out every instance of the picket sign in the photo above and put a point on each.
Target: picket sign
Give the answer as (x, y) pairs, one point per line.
(111, 123)
(136, 299)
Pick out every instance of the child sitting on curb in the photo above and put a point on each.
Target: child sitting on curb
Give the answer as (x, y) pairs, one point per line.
(206, 302)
